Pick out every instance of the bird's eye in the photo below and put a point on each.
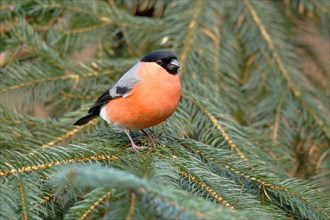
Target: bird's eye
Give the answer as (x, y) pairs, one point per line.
(159, 62)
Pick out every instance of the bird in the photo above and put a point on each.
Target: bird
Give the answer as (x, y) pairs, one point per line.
(146, 95)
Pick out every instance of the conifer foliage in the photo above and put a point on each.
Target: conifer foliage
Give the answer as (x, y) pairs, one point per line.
(250, 138)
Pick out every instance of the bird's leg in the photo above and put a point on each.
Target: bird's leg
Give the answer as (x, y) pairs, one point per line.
(150, 140)
(134, 146)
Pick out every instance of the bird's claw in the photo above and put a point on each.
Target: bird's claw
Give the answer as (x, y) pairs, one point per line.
(138, 148)
(149, 139)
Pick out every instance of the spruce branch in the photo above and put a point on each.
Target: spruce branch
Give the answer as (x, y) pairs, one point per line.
(249, 119)
(75, 77)
(192, 26)
(282, 67)
(284, 186)
(220, 129)
(208, 189)
(21, 189)
(70, 134)
(62, 156)
(156, 200)
(90, 204)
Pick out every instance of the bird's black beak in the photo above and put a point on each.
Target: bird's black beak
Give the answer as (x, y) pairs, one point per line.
(173, 66)
(175, 63)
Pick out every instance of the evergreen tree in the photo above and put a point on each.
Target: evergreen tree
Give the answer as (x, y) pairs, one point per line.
(250, 138)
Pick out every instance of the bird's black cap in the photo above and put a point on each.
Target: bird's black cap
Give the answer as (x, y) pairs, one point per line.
(158, 55)
(165, 59)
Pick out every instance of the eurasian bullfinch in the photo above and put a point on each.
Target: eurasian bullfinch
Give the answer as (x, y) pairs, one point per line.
(146, 95)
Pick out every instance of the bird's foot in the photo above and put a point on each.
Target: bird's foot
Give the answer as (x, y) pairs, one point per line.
(134, 146)
(149, 139)
(138, 148)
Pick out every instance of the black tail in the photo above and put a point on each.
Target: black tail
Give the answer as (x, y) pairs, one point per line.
(86, 119)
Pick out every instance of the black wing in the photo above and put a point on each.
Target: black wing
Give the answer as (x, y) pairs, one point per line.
(106, 97)
(94, 111)
(102, 100)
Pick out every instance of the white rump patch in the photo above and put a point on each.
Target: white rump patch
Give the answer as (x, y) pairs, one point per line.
(103, 114)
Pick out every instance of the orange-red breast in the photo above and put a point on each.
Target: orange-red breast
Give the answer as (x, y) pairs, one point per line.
(146, 95)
